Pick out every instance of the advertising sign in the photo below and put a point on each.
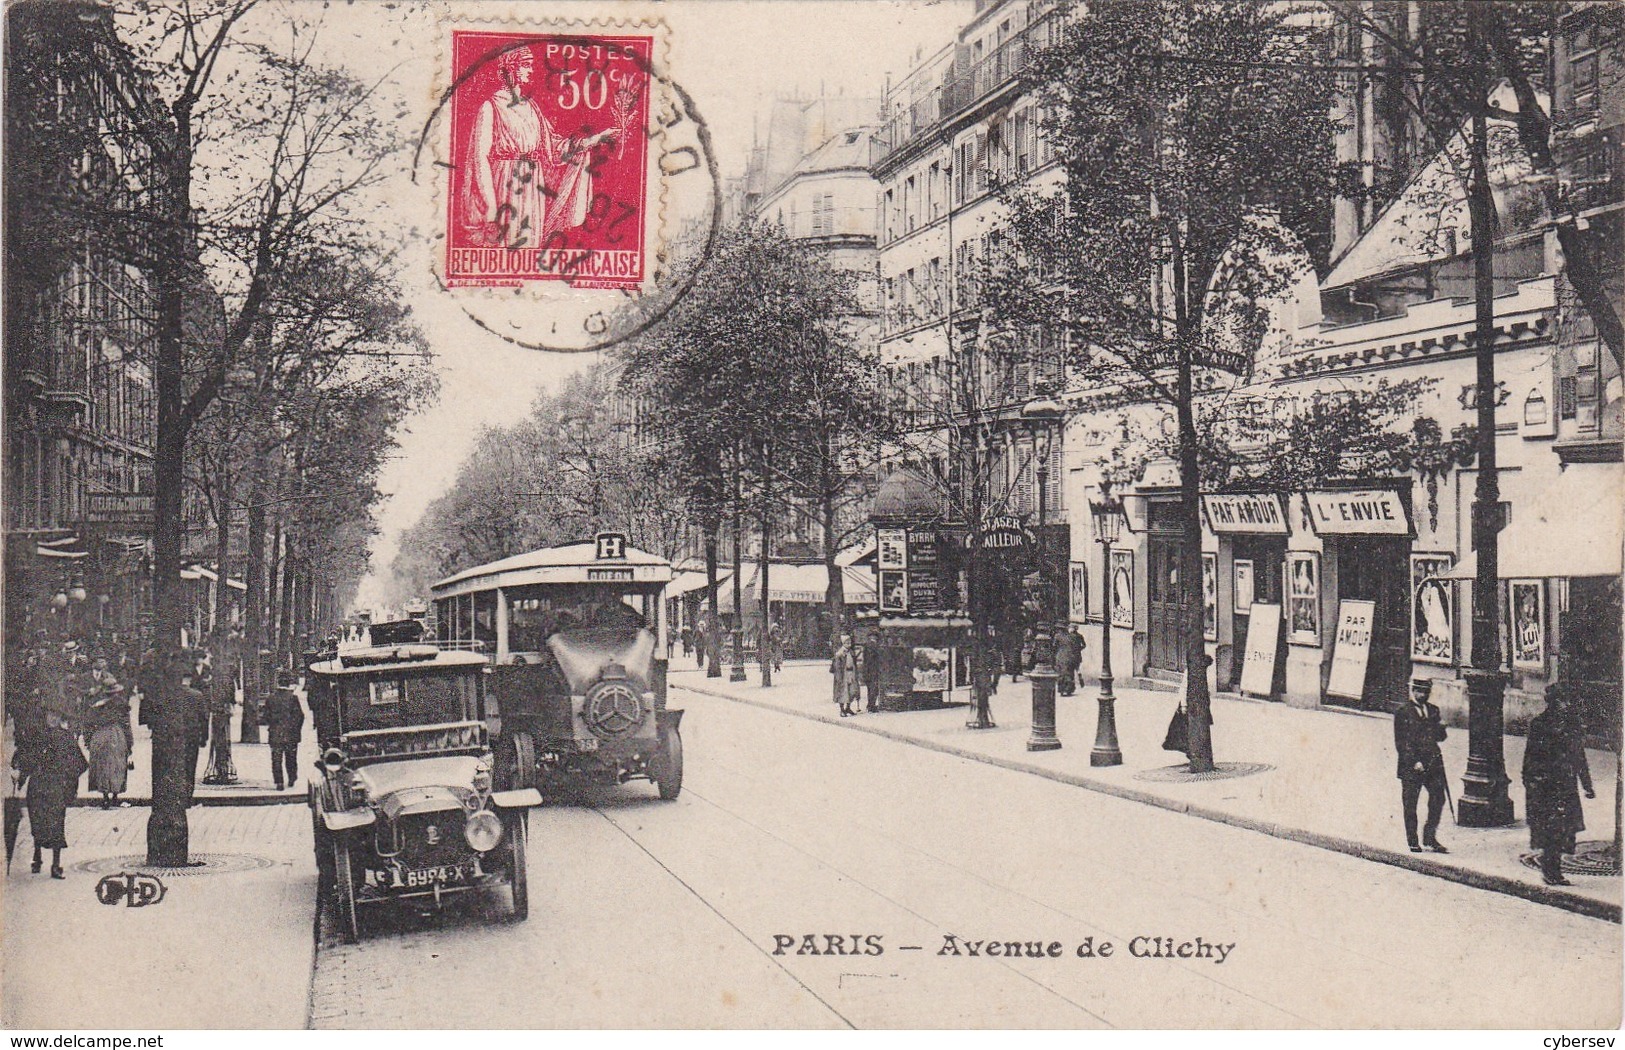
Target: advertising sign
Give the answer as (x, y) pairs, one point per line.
(891, 548)
(929, 670)
(1351, 649)
(1528, 624)
(893, 591)
(1263, 640)
(1241, 598)
(1362, 512)
(1122, 596)
(1210, 597)
(1258, 514)
(1433, 611)
(1303, 597)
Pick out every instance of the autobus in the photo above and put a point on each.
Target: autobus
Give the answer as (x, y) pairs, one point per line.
(577, 638)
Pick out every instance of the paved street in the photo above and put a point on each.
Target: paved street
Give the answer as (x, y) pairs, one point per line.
(646, 914)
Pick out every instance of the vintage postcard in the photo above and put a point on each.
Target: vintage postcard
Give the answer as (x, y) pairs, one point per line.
(812, 515)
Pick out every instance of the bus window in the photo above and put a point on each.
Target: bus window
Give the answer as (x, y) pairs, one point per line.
(485, 619)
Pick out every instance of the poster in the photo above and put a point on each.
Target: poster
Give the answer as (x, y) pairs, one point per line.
(891, 548)
(1078, 591)
(1351, 648)
(1433, 610)
(1303, 597)
(1528, 624)
(1210, 597)
(1122, 589)
(929, 669)
(1263, 640)
(893, 591)
(1241, 597)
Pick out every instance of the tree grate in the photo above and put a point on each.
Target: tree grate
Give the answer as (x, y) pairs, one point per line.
(208, 864)
(1181, 773)
(1589, 858)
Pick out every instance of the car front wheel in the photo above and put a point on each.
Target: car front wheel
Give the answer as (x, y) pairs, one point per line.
(344, 907)
(668, 773)
(516, 867)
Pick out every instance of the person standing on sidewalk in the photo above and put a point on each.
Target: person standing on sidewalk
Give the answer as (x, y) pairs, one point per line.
(53, 768)
(1068, 658)
(285, 720)
(1554, 758)
(845, 669)
(107, 731)
(871, 670)
(1417, 732)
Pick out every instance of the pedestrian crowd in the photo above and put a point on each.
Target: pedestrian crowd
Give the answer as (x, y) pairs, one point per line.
(73, 708)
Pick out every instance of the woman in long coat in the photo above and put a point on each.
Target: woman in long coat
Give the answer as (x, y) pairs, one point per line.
(845, 669)
(54, 767)
(107, 729)
(1554, 761)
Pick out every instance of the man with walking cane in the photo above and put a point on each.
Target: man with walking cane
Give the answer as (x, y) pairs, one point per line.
(1417, 732)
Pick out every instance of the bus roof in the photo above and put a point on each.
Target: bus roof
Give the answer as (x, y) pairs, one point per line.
(575, 562)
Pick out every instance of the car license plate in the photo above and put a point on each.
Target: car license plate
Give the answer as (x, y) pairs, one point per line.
(417, 877)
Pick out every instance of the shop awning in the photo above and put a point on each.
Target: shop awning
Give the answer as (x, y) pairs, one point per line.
(1574, 528)
(806, 584)
(692, 581)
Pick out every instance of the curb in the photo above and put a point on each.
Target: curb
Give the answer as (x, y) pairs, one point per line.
(1536, 893)
(266, 799)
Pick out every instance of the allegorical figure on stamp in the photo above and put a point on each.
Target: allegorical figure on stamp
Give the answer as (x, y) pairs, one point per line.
(528, 182)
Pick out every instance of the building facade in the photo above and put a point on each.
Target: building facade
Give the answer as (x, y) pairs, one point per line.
(82, 132)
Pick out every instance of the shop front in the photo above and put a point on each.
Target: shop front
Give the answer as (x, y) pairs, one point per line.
(1349, 598)
(1250, 529)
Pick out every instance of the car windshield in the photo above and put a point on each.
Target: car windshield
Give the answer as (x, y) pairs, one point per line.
(393, 701)
(540, 611)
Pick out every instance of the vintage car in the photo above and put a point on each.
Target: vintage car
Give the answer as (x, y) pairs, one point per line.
(404, 808)
(577, 637)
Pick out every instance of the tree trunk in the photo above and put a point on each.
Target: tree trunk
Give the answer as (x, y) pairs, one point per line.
(713, 665)
(1198, 702)
(835, 588)
(168, 836)
(764, 647)
(221, 616)
(254, 609)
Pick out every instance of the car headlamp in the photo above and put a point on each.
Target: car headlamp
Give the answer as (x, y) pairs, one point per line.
(358, 785)
(483, 831)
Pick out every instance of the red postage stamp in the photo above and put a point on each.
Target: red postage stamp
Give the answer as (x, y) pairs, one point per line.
(549, 160)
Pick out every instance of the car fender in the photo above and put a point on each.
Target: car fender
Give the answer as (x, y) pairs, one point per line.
(345, 820)
(518, 798)
(669, 717)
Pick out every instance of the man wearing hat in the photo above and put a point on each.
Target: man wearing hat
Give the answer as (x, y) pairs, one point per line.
(285, 720)
(1417, 732)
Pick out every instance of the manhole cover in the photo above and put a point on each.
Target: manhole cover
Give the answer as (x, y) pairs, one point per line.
(1589, 858)
(1181, 774)
(206, 864)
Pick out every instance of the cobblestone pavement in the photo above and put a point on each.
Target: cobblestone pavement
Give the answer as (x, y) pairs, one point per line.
(231, 940)
(751, 900)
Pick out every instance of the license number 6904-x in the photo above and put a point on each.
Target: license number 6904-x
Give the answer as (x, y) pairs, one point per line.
(429, 876)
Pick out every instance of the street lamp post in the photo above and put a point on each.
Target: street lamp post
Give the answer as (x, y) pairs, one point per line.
(1040, 418)
(1107, 517)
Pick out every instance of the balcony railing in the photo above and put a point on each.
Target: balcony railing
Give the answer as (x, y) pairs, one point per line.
(962, 88)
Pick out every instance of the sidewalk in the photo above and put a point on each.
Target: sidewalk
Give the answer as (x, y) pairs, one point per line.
(1324, 778)
(230, 944)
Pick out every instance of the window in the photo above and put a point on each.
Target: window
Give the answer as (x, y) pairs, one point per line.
(911, 204)
(933, 193)
(823, 216)
(1583, 81)
(886, 208)
(1023, 146)
(980, 185)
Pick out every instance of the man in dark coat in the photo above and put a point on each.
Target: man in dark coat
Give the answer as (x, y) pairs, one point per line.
(285, 720)
(1417, 732)
(871, 671)
(1068, 657)
(1553, 758)
(193, 713)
